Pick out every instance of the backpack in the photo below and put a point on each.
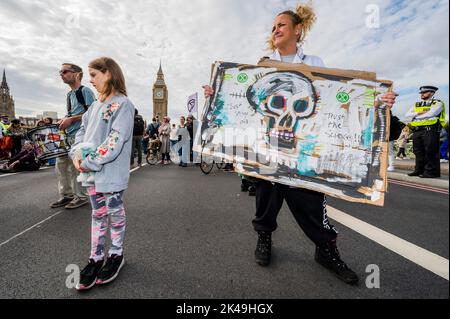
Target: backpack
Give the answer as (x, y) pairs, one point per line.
(153, 129)
(80, 98)
(139, 126)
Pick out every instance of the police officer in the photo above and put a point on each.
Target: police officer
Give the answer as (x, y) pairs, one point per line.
(4, 126)
(428, 116)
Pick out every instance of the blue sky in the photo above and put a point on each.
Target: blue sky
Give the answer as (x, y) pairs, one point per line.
(410, 46)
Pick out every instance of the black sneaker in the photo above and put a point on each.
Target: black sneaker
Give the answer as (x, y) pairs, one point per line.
(426, 175)
(88, 276)
(62, 202)
(110, 270)
(263, 252)
(415, 173)
(252, 191)
(244, 188)
(329, 257)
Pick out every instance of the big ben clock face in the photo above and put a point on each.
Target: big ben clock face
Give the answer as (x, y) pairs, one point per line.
(159, 94)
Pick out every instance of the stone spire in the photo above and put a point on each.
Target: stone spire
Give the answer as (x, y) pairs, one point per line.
(160, 78)
(4, 84)
(7, 107)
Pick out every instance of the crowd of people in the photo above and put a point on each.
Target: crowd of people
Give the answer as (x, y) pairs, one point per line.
(15, 148)
(165, 138)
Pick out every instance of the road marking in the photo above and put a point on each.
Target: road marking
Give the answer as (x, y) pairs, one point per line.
(419, 186)
(11, 174)
(32, 227)
(8, 175)
(44, 168)
(135, 169)
(422, 257)
(48, 218)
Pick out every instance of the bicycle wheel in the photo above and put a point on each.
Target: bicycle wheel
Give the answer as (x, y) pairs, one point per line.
(205, 165)
(152, 157)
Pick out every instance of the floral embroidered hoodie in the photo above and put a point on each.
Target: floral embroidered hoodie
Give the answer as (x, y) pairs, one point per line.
(109, 127)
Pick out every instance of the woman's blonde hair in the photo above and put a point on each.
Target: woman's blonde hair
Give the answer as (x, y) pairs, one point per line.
(304, 15)
(117, 80)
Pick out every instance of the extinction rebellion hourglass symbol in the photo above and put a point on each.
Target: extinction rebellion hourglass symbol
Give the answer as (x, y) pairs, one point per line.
(191, 105)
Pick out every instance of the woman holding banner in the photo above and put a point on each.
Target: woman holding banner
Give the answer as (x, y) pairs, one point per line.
(308, 207)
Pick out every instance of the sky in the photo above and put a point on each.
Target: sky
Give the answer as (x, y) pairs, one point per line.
(403, 41)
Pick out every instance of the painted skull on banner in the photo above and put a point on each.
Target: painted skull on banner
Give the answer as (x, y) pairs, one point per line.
(285, 98)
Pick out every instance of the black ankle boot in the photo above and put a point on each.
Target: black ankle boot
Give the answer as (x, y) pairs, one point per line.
(252, 191)
(328, 256)
(263, 251)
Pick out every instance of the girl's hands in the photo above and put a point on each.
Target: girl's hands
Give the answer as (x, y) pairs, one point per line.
(77, 164)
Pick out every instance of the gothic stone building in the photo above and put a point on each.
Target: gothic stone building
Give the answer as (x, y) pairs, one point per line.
(6, 100)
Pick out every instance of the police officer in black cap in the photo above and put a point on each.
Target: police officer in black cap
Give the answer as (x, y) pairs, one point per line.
(428, 117)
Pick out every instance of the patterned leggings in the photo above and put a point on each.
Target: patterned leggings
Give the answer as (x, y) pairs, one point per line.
(105, 207)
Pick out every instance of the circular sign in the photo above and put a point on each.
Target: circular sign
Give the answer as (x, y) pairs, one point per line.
(242, 78)
(343, 97)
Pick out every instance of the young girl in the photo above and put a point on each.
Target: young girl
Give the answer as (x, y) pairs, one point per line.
(308, 207)
(108, 125)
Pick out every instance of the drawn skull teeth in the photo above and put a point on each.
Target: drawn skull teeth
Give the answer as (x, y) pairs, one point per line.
(282, 134)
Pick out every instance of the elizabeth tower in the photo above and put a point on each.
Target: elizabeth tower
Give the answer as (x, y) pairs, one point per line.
(160, 96)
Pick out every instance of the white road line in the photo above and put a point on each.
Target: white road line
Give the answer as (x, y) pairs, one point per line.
(8, 175)
(422, 257)
(419, 186)
(135, 169)
(41, 169)
(48, 218)
(32, 227)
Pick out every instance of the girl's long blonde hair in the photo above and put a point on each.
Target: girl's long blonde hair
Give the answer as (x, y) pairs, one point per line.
(304, 15)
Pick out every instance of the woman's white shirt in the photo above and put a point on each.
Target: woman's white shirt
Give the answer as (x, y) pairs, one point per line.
(174, 135)
(300, 57)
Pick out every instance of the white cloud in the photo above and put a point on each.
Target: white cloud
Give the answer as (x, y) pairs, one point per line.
(411, 47)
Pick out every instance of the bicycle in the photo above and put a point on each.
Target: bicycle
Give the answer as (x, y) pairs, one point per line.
(154, 152)
(207, 163)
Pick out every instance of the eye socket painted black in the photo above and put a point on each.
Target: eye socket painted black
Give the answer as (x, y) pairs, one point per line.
(277, 102)
(300, 106)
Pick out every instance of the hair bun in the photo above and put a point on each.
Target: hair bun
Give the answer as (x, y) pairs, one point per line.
(308, 18)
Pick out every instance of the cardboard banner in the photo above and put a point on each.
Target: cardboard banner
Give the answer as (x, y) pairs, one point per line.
(314, 128)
